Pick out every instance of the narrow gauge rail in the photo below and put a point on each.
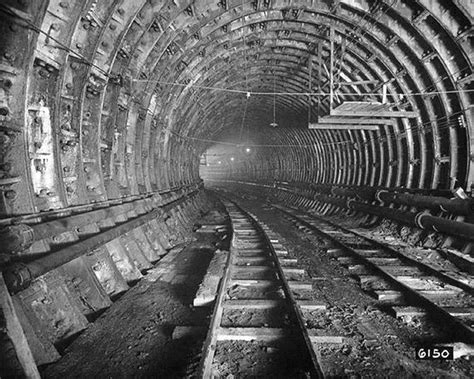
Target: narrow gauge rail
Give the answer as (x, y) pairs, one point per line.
(409, 287)
(256, 251)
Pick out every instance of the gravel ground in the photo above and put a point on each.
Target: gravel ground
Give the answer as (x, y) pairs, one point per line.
(134, 337)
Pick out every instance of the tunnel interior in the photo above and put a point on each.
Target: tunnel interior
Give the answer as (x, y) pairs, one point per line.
(115, 116)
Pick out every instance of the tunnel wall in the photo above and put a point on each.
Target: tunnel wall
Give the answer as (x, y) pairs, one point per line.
(93, 188)
(106, 106)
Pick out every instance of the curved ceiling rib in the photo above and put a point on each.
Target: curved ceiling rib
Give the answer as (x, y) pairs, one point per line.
(136, 87)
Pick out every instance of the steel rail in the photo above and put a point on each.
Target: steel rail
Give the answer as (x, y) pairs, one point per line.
(460, 329)
(315, 365)
(205, 370)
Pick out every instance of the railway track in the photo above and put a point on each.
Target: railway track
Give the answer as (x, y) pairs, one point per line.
(260, 304)
(410, 288)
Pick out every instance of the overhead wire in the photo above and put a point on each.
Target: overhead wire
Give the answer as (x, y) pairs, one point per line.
(82, 59)
(258, 93)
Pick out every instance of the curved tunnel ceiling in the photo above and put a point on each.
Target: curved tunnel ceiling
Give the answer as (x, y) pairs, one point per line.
(134, 89)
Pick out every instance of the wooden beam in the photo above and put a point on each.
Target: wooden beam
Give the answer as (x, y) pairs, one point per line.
(355, 121)
(310, 69)
(252, 334)
(356, 113)
(343, 126)
(358, 82)
(331, 67)
(254, 304)
(320, 77)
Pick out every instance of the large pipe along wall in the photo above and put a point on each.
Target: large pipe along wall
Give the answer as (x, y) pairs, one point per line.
(107, 108)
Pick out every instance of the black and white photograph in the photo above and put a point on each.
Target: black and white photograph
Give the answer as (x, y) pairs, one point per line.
(232, 189)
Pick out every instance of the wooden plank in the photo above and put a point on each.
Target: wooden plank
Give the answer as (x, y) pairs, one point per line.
(240, 269)
(299, 285)
(355, 120)
(409, 311)
(332, 35)
(254, 304)
(294, 270)
(246, 261)
(319, 78)
(347, 260)
(358, 82)
(316, 336)
(311, 305)
(288, 261)
(384, 261)
(461, 312)
(313, 125)
(402, 270)
(11, 326)
(252, 334)
(254, 282)
(389, 295)
(358, 113)
(207, 291)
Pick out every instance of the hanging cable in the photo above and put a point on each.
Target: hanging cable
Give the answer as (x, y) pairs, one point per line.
(256, 93)
(243, 117)
(274, 123)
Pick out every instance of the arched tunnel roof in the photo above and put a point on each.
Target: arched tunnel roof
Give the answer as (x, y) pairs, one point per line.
(114, 112)
(152, 84)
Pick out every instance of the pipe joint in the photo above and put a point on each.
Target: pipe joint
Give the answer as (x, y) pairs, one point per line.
(16, 238)
(419, 219)
(17, 277)
(378, 195)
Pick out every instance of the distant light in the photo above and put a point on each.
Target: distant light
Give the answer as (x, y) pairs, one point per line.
(232, 159)
(219, 162)
(274, 124)
(247, 149)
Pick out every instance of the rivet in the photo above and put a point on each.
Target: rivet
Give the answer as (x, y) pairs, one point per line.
(112, 26)
(10, 195)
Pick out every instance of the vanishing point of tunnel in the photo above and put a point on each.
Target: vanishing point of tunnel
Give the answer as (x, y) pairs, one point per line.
(236, 188)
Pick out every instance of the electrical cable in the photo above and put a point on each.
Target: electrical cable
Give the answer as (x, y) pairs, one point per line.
(254, 93)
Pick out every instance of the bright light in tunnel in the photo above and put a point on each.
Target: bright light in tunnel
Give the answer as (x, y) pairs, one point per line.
(220, 162)
(232, 159)
(247, 150)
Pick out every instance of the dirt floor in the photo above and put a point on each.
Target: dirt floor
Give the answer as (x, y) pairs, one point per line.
(375, 343)
(136, 337)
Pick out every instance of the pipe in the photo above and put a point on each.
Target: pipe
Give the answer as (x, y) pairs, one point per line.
(463, 230)
(456, 206)
(408, 218)
(366, 193)
(19, 276)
